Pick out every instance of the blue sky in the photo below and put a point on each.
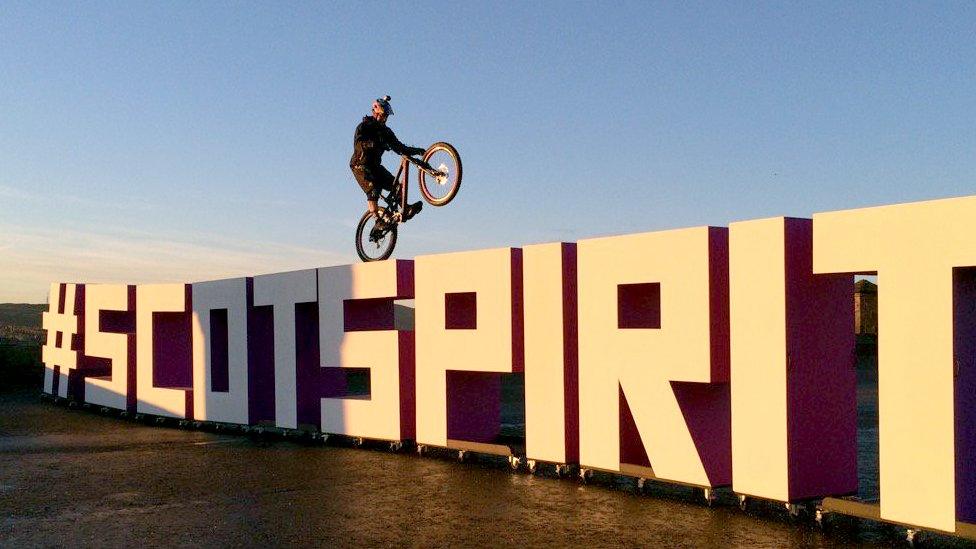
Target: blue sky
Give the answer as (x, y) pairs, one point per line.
(187, 141)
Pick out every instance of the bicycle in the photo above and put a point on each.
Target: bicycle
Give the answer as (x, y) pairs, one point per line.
(437, 185)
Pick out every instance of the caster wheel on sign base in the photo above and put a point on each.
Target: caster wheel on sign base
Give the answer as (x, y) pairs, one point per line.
(639, 485)
(818, 516)
(461, 455)
(709, 496)
(585, 475)
(912, 536)
(421, 449)
(396, 446)
(357, 442)
(561, 470)
(514, 462)
(743, 502)
(531, 466)
(793, 509)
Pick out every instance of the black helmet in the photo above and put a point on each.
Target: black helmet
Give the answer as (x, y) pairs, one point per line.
(384, 103)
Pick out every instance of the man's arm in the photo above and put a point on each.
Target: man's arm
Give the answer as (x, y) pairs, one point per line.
(396, 146)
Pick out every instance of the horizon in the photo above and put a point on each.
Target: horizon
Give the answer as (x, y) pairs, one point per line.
(197, 142)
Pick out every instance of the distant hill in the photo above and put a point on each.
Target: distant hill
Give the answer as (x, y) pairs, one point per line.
(403, 316)
(24, 315)
(20, 345)
(21, 323)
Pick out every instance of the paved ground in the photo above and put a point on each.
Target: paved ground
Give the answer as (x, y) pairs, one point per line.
(71, 477)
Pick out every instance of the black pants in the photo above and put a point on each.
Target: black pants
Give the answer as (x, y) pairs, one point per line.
(373, 179)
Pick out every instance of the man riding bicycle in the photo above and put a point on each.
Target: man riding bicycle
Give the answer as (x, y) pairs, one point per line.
(371, 140)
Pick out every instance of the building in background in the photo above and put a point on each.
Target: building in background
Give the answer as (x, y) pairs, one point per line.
(866, 316)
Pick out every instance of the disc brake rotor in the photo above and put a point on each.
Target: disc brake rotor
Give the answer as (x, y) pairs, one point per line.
(442, 174)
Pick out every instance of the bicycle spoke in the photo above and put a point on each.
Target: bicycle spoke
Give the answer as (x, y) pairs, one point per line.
(440, 183)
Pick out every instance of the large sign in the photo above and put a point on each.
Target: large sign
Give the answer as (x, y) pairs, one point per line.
(707, 356)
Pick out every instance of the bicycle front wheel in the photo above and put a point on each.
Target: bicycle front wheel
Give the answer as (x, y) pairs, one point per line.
(373, 244)
(441, 189)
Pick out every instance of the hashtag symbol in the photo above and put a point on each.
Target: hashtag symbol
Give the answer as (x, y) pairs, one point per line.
(61, 324)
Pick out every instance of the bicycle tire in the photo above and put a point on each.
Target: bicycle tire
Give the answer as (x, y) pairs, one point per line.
(439, 193)
(384, 247)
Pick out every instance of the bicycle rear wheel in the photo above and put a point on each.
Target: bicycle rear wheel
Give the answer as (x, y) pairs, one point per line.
(440, 190)
(373, 244)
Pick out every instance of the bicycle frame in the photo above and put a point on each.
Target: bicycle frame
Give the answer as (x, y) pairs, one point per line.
(401, 184)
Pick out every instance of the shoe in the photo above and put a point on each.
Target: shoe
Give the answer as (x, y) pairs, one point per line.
(383, 223)
(412, 210)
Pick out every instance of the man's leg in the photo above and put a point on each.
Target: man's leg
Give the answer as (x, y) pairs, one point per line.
(382, 180)
(364, 180)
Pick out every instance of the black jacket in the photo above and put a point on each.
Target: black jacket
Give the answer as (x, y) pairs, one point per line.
(372, 139)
